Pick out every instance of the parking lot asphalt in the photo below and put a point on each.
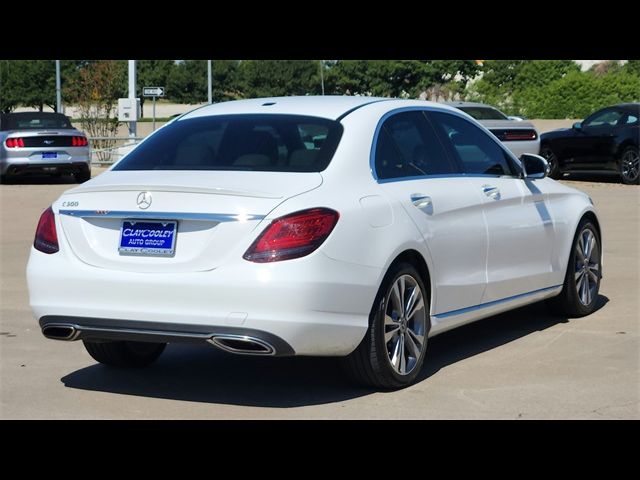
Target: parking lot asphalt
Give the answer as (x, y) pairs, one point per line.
(525, 364)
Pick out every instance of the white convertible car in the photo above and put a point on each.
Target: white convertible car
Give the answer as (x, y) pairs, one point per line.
(335, 226)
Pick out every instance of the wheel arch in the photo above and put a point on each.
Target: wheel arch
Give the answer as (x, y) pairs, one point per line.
(416, 259)
(628, 142)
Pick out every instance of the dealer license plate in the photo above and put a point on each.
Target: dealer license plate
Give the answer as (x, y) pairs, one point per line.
(155, 238)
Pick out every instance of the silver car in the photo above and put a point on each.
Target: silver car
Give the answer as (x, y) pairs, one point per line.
(519, 136)
(42, 142)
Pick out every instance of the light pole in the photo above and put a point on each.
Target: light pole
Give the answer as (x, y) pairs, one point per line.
(322, 75)
(132, 98)
(58, 95)
(210, 82)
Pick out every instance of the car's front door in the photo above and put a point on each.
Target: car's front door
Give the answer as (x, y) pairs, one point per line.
(520, 226)
(591, 147)
(412, 168)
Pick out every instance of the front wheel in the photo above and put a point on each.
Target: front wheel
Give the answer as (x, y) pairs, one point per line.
(552, 160)
(125, 354)
(630, 166)
(582, 281)
(392, 352)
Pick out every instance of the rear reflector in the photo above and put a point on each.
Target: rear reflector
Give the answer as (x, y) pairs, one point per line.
(46, 236)
(293, 236)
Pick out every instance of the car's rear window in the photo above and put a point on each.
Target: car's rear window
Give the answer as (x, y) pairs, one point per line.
(270, 143)
(35, 121)
(484, 113)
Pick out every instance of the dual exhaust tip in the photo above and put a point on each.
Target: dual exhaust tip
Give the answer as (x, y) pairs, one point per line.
(240, 344)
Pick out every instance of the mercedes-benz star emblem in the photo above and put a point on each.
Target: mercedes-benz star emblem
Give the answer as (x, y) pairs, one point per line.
(144, 200)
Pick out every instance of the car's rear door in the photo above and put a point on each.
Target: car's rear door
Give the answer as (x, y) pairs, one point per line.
(597, 141)
(520, 226)
(412, 168)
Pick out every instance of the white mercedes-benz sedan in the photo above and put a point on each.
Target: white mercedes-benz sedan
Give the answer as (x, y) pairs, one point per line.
(332, 226)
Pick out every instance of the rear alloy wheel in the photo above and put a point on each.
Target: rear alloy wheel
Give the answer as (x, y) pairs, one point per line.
(630, 166)
(552, 160)
(582, 281)
(392, 352)
(123, 353)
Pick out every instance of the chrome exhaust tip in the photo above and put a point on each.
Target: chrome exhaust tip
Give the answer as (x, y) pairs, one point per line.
(242, 344)
(61, 332)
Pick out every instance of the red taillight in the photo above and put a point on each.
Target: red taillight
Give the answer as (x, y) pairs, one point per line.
(79, 141)
(46, 236)
(14, 142)
(74, 141)
(292, 236)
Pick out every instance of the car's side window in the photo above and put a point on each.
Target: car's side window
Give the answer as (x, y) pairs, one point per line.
(477, 152)
(604, 118)
(628, 119)
(407, 146)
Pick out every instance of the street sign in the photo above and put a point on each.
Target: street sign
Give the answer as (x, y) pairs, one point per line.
(153, 91)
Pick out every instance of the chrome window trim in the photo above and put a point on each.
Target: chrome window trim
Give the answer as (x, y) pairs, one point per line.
(464, 116)
(126, 214)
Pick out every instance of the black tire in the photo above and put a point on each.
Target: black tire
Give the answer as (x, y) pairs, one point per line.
(629, 166)
(552, 159)
(370, 364)
(3, 179)
(83, 176)
(125, 354)
(568, 303)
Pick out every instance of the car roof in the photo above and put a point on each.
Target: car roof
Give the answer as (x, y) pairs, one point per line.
(333, 107)
(328, 106)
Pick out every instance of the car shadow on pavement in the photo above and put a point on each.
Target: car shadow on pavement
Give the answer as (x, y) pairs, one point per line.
(603, 177)
(203, 374)
(37, 179)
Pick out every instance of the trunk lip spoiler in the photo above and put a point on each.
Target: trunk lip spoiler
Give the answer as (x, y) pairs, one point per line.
(199, 216)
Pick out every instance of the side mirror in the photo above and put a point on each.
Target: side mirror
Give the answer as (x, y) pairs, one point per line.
(577, 126)
(535, 167)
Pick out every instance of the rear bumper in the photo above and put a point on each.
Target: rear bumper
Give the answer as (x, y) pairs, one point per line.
(15, 166)
(104, 329)
(315, 305)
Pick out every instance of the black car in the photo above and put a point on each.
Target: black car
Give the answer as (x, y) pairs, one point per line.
(607, 140)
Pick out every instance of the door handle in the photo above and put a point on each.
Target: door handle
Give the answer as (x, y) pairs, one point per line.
(420, 200)
(491, 192)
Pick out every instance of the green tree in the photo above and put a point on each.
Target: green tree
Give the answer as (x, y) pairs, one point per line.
(30, 83)
(397, 78)
(269, 78)
(578, 94)
(509, 84)
(632, 66)
(9, 86)
(187, 81)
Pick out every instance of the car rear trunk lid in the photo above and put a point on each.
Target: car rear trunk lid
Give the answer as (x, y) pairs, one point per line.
(216, 214)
